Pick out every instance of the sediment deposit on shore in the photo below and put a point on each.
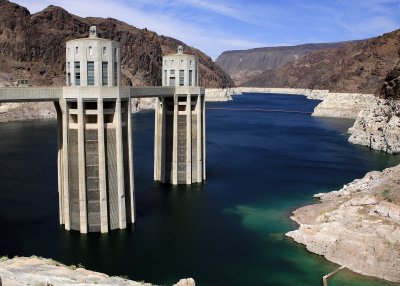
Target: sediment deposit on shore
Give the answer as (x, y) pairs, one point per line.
(24, 271)
(357, 226)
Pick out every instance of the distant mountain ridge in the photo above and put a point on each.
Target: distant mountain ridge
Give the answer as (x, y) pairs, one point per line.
(242, 65)
(359, 67)
(32, 46)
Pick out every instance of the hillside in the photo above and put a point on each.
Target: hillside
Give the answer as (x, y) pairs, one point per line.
(32, 46)
(242, 65)
(353, 67)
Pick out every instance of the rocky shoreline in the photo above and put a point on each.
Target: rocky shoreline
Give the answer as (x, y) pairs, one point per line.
(378, 126)
(357, 226)
(24, 271)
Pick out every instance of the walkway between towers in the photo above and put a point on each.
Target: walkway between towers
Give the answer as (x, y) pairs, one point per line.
(43, 94)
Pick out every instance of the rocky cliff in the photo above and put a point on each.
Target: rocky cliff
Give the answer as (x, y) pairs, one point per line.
(242, 65)
(378, 124)
(358, 67)
(357, 226)
(32, 46)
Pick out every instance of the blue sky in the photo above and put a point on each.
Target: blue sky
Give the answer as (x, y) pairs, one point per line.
(214, 26)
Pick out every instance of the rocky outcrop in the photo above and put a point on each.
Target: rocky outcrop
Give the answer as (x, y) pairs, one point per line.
(219, 94)
(186, 282)
(344, 105)
(242, 65)
(357, 226)
(378, 126)
(25, 271)
(27, 111)
(391, 86)
(357, 67)
(32, 46)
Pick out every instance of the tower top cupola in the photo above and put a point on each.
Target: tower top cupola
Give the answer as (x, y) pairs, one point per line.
(93, 32)
(93, 61)
(180, 69)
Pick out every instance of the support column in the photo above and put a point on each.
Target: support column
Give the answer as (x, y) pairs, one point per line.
(188, 139)
(102, 167)
(199, 156)
(59, 161)
(82, 168)
(175, 143)
(203, 105)
(131, 165)
(157, 141)
(120, 166)
(65, 167)
(163, 140)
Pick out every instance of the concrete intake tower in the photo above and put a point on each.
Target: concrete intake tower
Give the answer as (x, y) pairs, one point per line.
(95, 146)
(179, 149)
(95, 153)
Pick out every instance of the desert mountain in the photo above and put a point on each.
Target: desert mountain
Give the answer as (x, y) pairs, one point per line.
(353, 67)
(243, 65)
(32, 46)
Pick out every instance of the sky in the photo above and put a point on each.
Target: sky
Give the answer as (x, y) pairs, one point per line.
(214, 26)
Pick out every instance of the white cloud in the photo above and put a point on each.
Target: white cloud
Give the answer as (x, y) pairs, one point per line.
(374, 25)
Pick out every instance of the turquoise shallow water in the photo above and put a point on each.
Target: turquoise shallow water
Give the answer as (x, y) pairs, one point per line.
(227, 231)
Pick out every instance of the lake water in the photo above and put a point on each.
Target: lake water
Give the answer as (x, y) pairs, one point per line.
(227, 231)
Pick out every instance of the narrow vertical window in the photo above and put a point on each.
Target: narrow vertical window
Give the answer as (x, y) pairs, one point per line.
(76, 50)
(165, 77)
(104, 50)
(181, 77)
(172, 78)
(90, 51)
(90, 73)
(69, 79)
(190, 78)
(115, 73)
(104, 73)
(77, 69)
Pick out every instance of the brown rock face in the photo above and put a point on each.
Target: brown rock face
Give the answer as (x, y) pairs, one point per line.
(243, 65)
(391, 85)
(32, 46)
(357, 67)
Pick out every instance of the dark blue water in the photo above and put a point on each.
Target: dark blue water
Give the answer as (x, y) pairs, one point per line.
(227, 231)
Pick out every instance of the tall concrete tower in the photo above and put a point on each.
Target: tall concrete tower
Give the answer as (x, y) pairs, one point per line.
(179, 153)
(95, 164)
